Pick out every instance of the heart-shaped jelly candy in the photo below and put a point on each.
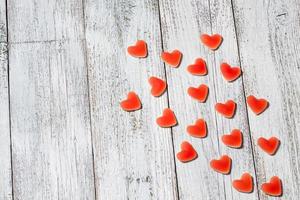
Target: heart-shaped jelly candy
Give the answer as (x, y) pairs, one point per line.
(273, 188)
(198, 130)
(187, 152)
(230, 73)
(257, 105)
(245, 184)
(198, 68)
(158, 86)
(173, 58)
(226, 109)
(132, 102)
(168, 119)
(234, 139)
(213, 42)
(138, 50)
(270, 145)
(223, 165)
(199, 93)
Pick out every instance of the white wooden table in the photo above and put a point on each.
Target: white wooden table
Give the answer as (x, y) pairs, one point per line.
(64, 69)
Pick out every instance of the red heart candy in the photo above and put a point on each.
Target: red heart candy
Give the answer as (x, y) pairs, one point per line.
(230, 73)
(227, 109)
(223, 165)
(199, 68)
(168, 119)
(257, 105)
(132, 102)
(273, 188)
(245, 184)
(269, 145)
(138, 50)
(199, 93)
(234, 139)
(172, 58)
(213, 42)
(187, 152)
(198, 130)
(158, 86)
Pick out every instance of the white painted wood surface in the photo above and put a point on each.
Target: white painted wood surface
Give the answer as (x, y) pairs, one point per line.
(5, 158)
(222, 22)
(182, 29)
(268, 34)
(133, 156)
(3, 27)
(50, 123)
(63, 128)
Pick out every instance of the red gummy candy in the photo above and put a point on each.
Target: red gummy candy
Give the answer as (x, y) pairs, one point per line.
(223, 165)
(270, 145)
(227, 109)
(273, 188)
(245, 184)
(198, 130)
(213, 42)
(168, 119)
(158, 86)
(199, 93)
(138, 50)
(257, 105)
(230, 73)
(172, 58)
(187, 152)
(234, 139)
(132, 102)
(198, 68)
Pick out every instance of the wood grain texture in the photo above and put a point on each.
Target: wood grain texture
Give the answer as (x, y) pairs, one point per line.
(182, 24)
(133, 156)
(268, 35)
(50, 123)
(5, 158)
(222, 22)
(3, 27)
(181, 27)
(50, 126)
(40, 20)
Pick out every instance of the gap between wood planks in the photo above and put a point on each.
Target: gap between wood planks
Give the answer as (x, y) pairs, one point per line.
(168, 100)
(243, 86)
(89, 97)
(9, 107)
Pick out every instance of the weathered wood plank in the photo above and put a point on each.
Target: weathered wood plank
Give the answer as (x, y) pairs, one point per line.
(182, 24)
(5, 158)
(181, 27)
(50, 123)
(3, 27)
(45, 20)
(268, 35)
(133, 156)
(50, 127)
(222, 22)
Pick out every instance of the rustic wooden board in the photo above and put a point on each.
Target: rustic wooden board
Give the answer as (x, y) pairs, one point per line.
(133, 156)
(3, 27)
(5, 158)
(50, 123)
(68, 71)
(50, 126)
(45, 20)
(222, 22)
(182, 24)
(180, 29)
(268, 35)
